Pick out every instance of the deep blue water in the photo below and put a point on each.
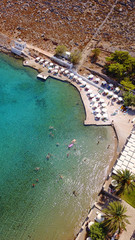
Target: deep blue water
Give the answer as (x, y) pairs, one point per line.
(28, 107)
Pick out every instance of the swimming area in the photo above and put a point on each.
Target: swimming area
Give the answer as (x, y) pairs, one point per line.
(68, 182)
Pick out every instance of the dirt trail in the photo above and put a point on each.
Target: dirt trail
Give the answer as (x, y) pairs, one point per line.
(91, 43)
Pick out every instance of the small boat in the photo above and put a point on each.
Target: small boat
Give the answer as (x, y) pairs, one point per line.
(70, 145)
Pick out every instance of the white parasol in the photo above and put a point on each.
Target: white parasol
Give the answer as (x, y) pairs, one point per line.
(97, 110)
(104, 110)
(103, 105)
(97, 79)
(98, 115)
(102, 100)
(90, 76)
(105, 116)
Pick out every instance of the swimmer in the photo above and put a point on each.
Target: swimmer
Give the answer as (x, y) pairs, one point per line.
(67, 155)
(48, 156)
(97, 142)
(57, 144)
(37, 168)
(37, 180)
(61, 177)
(33, 185)
(51, 127)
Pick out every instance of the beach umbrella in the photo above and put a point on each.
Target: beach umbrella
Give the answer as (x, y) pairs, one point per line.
(120, 99)
(95, 105)
(103, 105)
(90, 76)
(115, 96)
(56, 71)
(62, 70)
(50, 69)
(97, 79)
(110, 94)
(93, 100)
(51, 64)
(89, 91)
(99, 218)
(66, 71)
(101, 100)
(87, 86)
(71, 74)
(41, 60)
(37, 59)
(98, 96)
(114, 183)
(89, 225)
(79, 79)
(103, 82)
(75, 77)
(110, 85)
(91, 95)
(56, 67)
(83, 83)
(105, 116)
(98, 115)
(46, 62)
(106, 91)
(116, 89)
(97, 110)
(104, 110)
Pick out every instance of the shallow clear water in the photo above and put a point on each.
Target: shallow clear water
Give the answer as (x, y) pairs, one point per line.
(28, 107)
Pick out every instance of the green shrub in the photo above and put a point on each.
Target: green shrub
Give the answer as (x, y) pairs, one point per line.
(75, 57)
(96, 53)
(97, 232)
(129, 99)
(128, 85)
(60, 49)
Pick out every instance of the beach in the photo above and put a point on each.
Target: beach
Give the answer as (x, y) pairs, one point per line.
(118, 122)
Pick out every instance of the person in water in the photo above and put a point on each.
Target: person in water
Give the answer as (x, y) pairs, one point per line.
(37, 168)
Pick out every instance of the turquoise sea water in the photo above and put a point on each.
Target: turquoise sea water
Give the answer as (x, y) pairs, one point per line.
(54, 208)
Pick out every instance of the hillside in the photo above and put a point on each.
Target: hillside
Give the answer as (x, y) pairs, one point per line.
(72, 22)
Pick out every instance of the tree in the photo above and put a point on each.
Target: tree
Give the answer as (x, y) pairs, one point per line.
(122, 67)
(97, 232)
(118, 56)
(60, 49)
(115, 218)
(75, 57)
(128, 85)
(96, 53)
(124, 179)
(129, 99)
(116, 70)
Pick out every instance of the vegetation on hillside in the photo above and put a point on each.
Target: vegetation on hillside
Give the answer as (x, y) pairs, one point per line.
(96, 53)
(75, 57)
(129, 99)
(121, 66)
(60, 50)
